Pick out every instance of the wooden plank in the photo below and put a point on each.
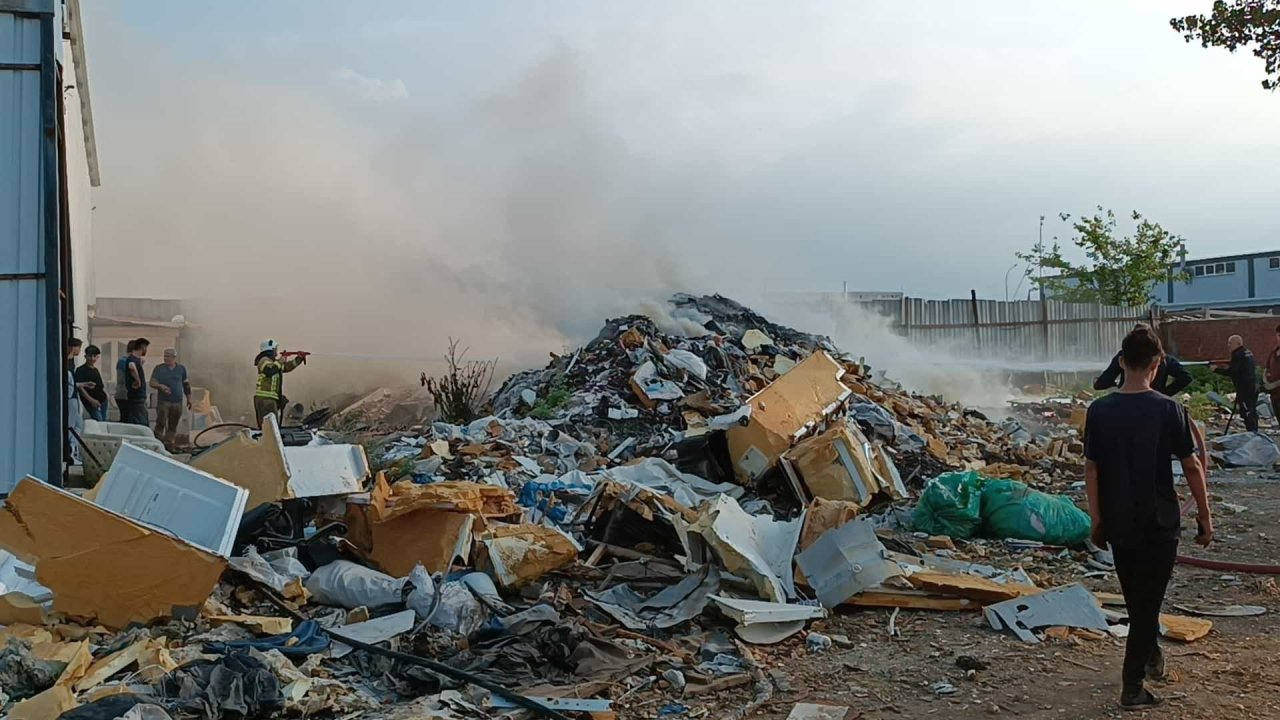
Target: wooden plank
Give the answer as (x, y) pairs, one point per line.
(724, 683)
(1112, 599)
(1183, 628)
(971, 587)
(911, 601)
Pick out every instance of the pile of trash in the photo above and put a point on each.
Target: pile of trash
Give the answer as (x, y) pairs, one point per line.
(631, 518)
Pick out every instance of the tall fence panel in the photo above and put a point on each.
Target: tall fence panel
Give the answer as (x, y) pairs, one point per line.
(1029, 329)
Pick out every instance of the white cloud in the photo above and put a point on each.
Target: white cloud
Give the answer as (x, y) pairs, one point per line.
(370, 88)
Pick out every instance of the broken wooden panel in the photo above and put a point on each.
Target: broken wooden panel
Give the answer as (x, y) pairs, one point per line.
(101, 565)
(783, 412)
(968, 586)
(256, 464)
(910, 600)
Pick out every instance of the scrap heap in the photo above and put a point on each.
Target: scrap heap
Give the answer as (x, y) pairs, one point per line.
(629, 520)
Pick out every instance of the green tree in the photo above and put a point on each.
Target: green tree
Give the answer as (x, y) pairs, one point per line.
(1239, 24)
(1119, 270)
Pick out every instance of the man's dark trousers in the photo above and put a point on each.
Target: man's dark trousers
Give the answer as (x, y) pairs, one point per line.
(1247, 403)
(1144, 571)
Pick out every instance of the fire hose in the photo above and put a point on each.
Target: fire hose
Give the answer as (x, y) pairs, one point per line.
(1226, 566)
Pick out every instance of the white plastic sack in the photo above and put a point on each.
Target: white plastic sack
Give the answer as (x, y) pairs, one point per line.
(422, 595)
(282, 567)
(459, 611)
(686, 361)
(349, 585)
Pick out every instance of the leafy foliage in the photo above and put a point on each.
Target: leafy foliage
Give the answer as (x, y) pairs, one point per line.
(1239, 24)
(557, 397)
(459, 394)
(1119, 271)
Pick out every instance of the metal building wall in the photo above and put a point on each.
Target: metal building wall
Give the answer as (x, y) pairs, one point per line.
(30, 376)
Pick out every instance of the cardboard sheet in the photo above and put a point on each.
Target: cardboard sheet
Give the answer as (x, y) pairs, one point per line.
(785, 408)
(520, 554)
(255, 464)
(430, 537)
(837, 465)
(388, 501)
(406, 524)
(101, 565)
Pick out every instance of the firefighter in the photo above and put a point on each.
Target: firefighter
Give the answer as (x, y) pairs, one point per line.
(268, 395)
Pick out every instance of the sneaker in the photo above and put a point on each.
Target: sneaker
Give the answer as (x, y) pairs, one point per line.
(1140, 699)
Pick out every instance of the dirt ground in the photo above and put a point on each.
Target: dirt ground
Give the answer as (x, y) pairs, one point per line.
(1230, 674)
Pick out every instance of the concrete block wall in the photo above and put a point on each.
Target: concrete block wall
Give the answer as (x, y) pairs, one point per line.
(1196, 340)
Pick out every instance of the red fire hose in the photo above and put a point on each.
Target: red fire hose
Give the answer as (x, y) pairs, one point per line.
(1224, 566)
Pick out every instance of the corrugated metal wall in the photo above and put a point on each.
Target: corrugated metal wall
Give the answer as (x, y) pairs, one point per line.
(26, 89)
(1030, 329)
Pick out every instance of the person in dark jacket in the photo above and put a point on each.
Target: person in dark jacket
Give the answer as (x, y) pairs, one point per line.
(1243, 371)
(1171, 377)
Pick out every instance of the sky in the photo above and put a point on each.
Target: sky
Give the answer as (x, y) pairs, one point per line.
(513, 172)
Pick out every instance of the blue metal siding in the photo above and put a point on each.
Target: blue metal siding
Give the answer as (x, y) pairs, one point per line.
(26, 205)
(1266, 280)
(1214, 288)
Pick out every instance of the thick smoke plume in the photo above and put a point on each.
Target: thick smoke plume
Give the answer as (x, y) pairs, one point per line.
(517, 227)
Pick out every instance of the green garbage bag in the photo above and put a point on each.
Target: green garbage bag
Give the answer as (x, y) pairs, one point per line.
(950, 505)
(1010, 509)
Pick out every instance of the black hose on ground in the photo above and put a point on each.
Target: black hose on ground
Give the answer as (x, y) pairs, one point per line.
(195, 441)
(432, 665)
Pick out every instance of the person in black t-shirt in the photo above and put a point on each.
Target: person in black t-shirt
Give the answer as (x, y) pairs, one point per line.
(1129, 438)
(89, 382)
(1171, 378)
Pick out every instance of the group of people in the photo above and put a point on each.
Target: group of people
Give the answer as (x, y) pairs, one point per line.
(86, 388)
(1241, 367)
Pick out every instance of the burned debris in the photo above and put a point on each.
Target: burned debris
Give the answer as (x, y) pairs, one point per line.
(627, 522)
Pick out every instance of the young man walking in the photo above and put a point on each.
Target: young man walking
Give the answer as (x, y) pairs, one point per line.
(1130, 436)
(170, 381)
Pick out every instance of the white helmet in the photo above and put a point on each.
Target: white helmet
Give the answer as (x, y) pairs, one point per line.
(269, 345)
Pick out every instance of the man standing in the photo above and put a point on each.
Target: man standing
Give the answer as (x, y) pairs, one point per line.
(89, 381)
(1129, 436)
(71, 400)
(268, 394)
(1243, 371)
(1271, 379)
(135, 376)
(122, 382)
(174, 390)
(1171, 377)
